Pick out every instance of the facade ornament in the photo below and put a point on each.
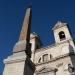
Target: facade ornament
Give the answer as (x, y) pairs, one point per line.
(70, 68)
(58, 65)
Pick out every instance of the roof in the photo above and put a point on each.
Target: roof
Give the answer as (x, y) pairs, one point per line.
(59, 24)
(33, 35)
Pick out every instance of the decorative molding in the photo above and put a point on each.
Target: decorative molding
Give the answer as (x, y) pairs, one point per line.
(46, 69)
(59, 64)
(54, 45)
(59, 24)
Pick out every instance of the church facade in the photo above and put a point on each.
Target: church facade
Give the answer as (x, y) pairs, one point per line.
(56, 59)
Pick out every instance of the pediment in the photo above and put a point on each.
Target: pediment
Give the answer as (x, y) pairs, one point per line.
(59, 24)
(46, 69)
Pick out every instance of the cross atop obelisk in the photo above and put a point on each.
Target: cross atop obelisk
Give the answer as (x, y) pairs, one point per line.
(23, 43)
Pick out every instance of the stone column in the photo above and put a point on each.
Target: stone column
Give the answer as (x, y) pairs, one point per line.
(18, 65)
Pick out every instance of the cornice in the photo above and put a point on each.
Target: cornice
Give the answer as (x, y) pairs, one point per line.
(53, 45)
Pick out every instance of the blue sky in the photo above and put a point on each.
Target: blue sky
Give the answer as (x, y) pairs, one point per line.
(45, 14)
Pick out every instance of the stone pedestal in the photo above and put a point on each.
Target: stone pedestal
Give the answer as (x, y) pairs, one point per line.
(18, 64)
(22, 46)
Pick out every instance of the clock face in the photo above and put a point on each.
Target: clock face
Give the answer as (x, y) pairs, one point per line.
(65, 49)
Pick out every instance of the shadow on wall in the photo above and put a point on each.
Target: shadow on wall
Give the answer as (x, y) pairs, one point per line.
(29, 67)
(71, 66)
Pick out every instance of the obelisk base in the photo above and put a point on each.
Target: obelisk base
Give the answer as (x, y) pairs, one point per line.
(21, 46)
(18, 64)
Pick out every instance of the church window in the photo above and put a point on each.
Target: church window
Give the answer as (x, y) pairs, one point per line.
(62, 35)
(45, 57)
(51, 57)
(39, 60)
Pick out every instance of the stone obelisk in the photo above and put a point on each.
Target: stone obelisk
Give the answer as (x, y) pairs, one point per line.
(19, 62)
(23, 43)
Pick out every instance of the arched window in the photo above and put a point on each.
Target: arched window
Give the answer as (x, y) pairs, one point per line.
(62, 35)
(45, 57)
(51, 57)
(39, 60)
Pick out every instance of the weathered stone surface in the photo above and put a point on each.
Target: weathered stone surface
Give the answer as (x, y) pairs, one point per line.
(23, 43)
(20, 65)
(22, 46)
(25, 32)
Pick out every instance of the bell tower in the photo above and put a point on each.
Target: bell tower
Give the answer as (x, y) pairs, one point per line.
(63, 38)
(35, 44)
(61, 32)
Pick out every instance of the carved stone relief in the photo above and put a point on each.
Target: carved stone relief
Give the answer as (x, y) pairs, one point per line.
(60, 64)
(46, 71)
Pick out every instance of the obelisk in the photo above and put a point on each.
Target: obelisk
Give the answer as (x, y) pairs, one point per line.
(19, 62)
(23, 43)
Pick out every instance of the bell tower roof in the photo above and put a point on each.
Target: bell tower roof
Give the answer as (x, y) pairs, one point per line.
(34, 35)
(59, 24)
